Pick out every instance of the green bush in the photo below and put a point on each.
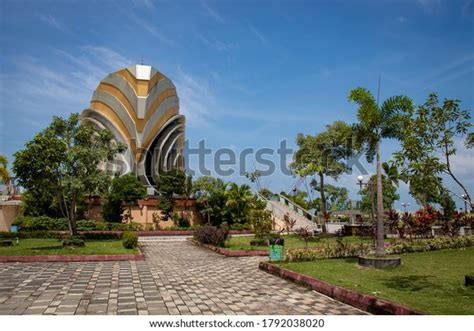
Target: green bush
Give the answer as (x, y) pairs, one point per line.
(132, 226)
(102, 235)
(261, 220)
(337, 251)
(129, 240)
(39, 223)
(239, 226)
(259, 242)
(301, 254)
(183, 222)
(425, 245)
(212, 235)
(90, 225)
(44, 223)
(73, 241)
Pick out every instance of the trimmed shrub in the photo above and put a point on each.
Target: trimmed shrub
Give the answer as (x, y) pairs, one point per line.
(183, 222)
(73, 241)
(259, 242)
(102, 235)
(90, 225)
(39, 223)
(212, 235)
(44, 223)
(129, 240)
(132, 226)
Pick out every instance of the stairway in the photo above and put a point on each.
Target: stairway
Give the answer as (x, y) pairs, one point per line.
(281, 206)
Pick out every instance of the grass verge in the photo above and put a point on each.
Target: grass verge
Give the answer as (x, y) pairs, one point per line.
(28, 247)
(432, 282)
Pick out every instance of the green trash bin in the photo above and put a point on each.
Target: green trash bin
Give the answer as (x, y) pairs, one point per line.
(276, 249)
(276, 253)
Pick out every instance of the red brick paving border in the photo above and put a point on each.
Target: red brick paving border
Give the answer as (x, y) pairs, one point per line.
(364, 302)
(229, 252)
(74, 258)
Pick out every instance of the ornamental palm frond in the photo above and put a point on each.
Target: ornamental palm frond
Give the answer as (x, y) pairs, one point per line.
(374, 124)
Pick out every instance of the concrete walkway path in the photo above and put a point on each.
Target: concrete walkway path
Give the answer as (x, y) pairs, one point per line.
(176, 278)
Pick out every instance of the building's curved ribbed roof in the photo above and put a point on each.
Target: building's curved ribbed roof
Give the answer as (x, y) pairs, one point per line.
(137, 104)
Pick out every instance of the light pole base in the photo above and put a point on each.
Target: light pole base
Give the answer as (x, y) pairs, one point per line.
(379, 262)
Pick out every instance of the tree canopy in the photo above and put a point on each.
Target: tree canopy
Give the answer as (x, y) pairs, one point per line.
(4, 173)
(170, 183)
(374, 124)
(125, 191)
(428, 145)
(68, 160)
(324, 155)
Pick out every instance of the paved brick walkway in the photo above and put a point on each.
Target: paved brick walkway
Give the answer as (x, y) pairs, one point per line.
(176, 278)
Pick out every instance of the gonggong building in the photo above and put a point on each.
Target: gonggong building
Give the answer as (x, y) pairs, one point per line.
(141, 107)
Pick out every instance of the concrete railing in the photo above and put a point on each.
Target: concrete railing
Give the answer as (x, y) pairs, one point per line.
(280, 209)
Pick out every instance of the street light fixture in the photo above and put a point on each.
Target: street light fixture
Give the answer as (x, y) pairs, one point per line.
(405, 205)
(464, 197)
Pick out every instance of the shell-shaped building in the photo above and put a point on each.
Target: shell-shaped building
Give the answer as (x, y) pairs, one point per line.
(141, 107)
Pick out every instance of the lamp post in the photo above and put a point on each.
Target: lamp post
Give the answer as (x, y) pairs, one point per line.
(405, 205)
(360, 180)
(464, 197)
(368, 184)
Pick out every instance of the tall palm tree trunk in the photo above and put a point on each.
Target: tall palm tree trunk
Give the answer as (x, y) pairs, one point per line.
(323, 202)
(379, 248)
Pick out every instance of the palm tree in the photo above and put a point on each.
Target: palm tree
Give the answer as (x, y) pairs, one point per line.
(376, 123)
(4, 174)
(238, 202)
(391, 171)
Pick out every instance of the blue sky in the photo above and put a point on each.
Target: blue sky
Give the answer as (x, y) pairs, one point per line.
(248, 73)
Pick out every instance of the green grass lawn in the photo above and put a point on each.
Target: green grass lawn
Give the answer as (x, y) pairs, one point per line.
(55, 247)
(432, 282)
(291, 241)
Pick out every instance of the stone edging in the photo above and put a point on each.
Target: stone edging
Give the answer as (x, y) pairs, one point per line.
(74, 258)
(364, 302)
(228, 252)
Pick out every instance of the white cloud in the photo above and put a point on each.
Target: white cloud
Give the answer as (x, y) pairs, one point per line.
(401, 19)
(144, 3)
(258, 35)
(211, 12)
(54, 22)
(216, 44)
(63, 87)
(463, 162)
(150, 28)
(430, 5)
(108, 56)
(196, 99)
